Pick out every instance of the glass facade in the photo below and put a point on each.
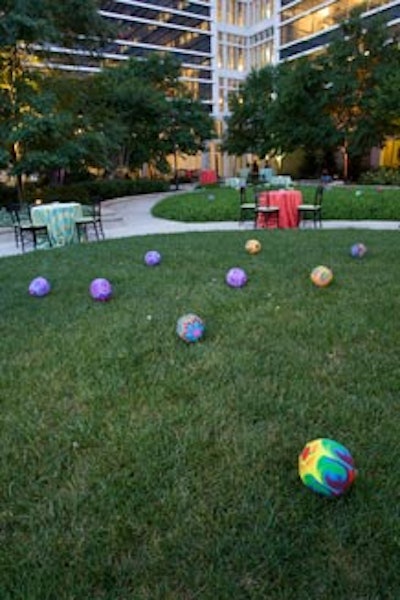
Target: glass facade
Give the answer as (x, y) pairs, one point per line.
(306, 25)
(180, 27)
(218, 42)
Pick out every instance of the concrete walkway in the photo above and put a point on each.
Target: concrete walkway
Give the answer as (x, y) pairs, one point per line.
(131, 216)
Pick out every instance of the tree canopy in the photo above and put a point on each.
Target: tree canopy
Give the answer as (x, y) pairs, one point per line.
(33, 133)
(128, 114)
(144, 106)
(346, 98)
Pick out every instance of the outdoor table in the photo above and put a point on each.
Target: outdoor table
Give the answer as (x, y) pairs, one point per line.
(287, 201)
(208, 176)
(60, 220)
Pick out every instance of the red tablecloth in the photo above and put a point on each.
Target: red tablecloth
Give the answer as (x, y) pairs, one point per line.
(287, 201)
(208, 177)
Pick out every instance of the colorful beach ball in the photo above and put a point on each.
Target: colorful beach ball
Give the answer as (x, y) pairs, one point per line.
(253, 246)
(39, 287)
(358, 250)
(236, 277)
(101, 289)
(190, 328)
(152, 258)
(326, 467)
(321, 276)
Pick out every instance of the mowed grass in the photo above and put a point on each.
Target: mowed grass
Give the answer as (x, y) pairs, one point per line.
(137, 467)
(339, 202)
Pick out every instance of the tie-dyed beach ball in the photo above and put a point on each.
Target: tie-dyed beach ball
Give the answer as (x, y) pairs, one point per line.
(358, 250)
(326, 467)
(190, 328)
(321, 276)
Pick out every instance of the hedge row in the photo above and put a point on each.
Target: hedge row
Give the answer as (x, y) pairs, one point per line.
(381, 176)
(84, 191)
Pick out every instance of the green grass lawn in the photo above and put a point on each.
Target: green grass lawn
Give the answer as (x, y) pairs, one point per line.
(137, 467)
(340, 202)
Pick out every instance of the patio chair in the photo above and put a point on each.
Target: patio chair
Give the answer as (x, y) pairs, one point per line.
(312, 212)
(270, 213)
(25, 232)
(245, 206)
(91, 222)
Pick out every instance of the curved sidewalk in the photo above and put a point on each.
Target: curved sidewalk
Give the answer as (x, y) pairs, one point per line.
(131, 216)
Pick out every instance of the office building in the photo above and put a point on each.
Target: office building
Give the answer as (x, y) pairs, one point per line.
(219, 41)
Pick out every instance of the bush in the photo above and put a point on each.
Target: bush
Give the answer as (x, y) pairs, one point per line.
(381, 176)
(83, 191)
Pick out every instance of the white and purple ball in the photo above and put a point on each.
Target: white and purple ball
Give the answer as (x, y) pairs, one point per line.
(101, 289)
(190, 328)
(358, 250)
(236, 277)
(152, 258)
(39, 287)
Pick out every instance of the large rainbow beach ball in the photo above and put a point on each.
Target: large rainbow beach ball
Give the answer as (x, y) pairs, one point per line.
(236, 277)
(253, 246)
(101, 289)
(326, 467)
(358, 250)
(152, 258)
(321, 276)
(190, 328)
(39, 287)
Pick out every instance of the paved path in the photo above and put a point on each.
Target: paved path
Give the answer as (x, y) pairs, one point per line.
(131, 216)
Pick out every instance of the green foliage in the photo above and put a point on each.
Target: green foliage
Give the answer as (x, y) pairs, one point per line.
(354, 68)
(134, 466)
(35, 134)
(146, 109)
(341, 202)
(346, 98)
(381, 176)
(251, 123)
(85, 190)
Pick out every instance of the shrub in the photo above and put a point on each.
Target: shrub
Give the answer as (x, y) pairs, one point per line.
(381, 176)
(83, 191)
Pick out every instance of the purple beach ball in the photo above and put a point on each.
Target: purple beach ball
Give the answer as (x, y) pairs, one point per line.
(101, 289)
(236, 277)
(39, 287)
(152, 258)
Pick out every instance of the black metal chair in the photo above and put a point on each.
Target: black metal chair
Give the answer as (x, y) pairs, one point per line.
(26, 232)
(246, 207)
(91, 221)
(312, 212)
(270, 213)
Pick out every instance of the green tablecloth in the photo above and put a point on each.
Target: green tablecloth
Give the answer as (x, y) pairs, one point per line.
(60, 220)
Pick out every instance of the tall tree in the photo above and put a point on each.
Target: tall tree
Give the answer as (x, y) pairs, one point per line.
(250, 124)
(150, 108)
(347, 97)
(27, 29)
(355, 68)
